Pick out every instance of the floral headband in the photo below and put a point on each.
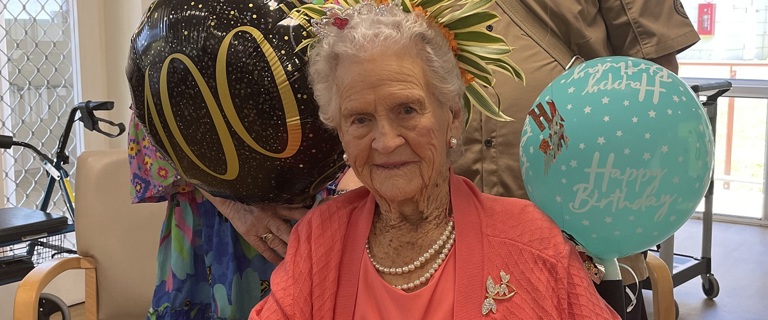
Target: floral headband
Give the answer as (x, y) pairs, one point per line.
(462, 22)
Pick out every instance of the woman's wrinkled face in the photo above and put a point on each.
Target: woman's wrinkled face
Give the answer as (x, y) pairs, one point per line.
(391, 126)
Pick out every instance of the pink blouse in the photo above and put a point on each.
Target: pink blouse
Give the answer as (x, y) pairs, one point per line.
(320, 278)
(377, 299)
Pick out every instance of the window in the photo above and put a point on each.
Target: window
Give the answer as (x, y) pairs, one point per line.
(734, 45)
(37, 89)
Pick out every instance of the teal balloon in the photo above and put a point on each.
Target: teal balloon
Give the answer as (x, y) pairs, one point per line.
(619, 152)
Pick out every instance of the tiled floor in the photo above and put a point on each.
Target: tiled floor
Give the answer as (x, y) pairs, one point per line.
(739, 262)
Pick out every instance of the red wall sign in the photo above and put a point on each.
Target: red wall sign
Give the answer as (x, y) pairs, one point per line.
(706, 21)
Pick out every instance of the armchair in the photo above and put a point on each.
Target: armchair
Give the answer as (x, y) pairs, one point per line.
(116, 240)
(664, 304)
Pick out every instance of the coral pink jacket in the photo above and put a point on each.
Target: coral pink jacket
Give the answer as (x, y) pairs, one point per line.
(319, 277)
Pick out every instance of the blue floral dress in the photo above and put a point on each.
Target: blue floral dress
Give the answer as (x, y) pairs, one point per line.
(205, 270)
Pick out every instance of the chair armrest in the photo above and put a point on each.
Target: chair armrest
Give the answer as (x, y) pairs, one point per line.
(28, 292)
(661, 281)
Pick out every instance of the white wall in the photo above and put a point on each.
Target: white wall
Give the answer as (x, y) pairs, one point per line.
(741, 31)
(105, 28)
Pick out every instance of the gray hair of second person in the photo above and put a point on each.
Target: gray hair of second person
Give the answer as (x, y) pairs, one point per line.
(391, 30)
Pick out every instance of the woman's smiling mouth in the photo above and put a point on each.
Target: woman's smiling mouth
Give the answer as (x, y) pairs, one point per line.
(392, 165)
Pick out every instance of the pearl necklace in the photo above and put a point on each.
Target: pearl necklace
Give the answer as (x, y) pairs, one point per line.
(423, 279)
(419, 261)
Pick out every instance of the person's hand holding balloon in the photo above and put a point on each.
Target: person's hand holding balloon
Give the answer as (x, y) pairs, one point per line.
(221, 90)
(266, 227)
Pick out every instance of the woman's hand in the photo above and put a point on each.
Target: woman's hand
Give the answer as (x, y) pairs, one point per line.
(265, 227)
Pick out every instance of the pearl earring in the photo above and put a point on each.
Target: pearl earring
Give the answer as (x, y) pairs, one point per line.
(452, 142)
(345, 157)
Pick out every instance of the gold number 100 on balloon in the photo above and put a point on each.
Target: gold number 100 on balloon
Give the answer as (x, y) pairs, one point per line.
(292, 117)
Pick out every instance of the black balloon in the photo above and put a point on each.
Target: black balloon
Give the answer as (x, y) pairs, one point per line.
(222, 93)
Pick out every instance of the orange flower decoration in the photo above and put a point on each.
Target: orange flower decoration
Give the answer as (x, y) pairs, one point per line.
(420, 11)
(448, 34)
(455, 19)
(468, 78)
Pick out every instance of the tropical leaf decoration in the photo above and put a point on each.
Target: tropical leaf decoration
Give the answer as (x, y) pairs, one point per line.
(462, 22)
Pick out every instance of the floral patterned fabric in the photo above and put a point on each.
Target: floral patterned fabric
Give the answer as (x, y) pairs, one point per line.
(205, 269)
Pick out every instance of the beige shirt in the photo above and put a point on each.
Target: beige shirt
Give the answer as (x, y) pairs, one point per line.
(590, 28)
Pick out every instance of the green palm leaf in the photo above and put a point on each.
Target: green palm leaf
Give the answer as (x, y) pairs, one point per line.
(476, 5)
(438, 12)
(430, 4)
(467, 104)
(478, 38)
(474, 21)
(481, 101)
(489, 51)
(502, 64)
(407, 6)
(477, 68)
(507, 66)
(470, 7)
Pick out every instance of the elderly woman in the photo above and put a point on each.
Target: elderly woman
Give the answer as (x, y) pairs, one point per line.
(417, 241)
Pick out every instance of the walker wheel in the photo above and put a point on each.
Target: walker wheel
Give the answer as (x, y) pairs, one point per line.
(710, 286)
(49, 305)
(677, 311)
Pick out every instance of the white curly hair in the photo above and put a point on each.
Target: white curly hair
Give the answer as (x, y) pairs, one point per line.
(366, 35)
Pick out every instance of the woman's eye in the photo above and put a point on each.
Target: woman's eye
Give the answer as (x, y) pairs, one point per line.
(409, 110)
(359, 120)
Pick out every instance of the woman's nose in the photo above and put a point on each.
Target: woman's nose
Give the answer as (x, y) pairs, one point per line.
(387, 137)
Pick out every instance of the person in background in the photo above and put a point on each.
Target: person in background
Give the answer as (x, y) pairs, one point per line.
(417, 242)
(652, 30)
